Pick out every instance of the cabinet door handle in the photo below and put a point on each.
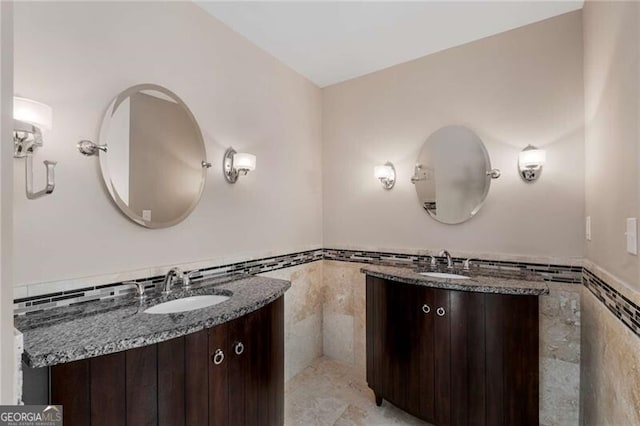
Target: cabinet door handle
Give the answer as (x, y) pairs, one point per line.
(426, 309)
(218, 357)
(239, 348)
(440, 312)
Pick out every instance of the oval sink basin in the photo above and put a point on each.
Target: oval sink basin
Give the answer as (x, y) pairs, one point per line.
(444, 275)
(186, 304)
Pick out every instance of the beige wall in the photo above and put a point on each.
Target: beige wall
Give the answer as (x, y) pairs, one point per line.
(76, 56)
(7, 343)
(610, 382)
(612, 117)
(517, 88)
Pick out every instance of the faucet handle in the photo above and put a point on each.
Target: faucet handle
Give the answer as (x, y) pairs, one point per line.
(467, 264)
(140, 289)
(186, 278)
(433, 262)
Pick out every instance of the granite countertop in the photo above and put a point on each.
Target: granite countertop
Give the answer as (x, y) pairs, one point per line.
(87, 330)
(496, 282)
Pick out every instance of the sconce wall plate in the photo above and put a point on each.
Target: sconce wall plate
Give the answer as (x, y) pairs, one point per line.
(26, 138)
(235, 164)
(530, 162)
(386, 173)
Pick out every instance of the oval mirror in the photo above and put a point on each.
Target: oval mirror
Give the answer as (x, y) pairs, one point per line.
(153, 165)
(453, 174)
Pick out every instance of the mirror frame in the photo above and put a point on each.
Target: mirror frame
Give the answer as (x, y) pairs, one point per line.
(488, 177)
(104, 166)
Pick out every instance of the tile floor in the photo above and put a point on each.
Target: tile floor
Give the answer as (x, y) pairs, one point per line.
(330, 393)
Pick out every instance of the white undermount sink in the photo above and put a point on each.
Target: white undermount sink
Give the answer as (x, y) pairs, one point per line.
(186, 304)
(444, 275)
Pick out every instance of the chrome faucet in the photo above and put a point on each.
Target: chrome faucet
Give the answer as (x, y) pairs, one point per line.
(173, 275)
(448, 256)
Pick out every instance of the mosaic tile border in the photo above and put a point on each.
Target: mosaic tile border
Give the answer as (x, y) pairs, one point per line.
(550, 273)
(619, 305)
(28, 305)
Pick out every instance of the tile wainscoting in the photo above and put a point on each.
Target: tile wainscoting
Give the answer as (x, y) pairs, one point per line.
(302, 315)
(610, 367)
(325, 314)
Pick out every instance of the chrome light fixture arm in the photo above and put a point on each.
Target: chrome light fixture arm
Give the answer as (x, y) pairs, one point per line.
(51, 178)
(230, 173)
(26, 138)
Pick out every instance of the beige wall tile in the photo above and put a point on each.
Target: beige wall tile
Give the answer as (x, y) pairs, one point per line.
(302, 315)
(610, 370)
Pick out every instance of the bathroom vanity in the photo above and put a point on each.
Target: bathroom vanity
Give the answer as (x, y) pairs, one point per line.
(109, 362)
(454, 351)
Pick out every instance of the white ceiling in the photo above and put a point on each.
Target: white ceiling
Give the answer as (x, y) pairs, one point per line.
(332, 41)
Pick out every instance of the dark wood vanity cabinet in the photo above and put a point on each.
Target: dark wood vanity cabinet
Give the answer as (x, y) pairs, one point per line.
(230, 374)
(453, 357)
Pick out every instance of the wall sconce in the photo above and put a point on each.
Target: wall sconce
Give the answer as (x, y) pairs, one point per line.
(386, 173)
(530, 162)
(236, 164)
(29, 118)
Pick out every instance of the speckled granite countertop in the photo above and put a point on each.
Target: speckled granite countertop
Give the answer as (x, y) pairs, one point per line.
(87, 330)
(479, 281)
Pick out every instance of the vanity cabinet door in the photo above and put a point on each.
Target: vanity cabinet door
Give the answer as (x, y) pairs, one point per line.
(512, 339)
(466, 316)
(218, 376)
(408, 347)
(243, 348)
(246, 383)
(196, 389)
(394, 346)
(421, 360)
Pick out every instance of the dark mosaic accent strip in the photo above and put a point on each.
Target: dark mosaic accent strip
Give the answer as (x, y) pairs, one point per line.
(30, 305)
(549, 272)
(619, 305)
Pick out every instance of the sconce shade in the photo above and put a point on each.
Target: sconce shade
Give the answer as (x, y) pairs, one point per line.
(244, 161)
(384, 171)
(32, 112)
(531, 157)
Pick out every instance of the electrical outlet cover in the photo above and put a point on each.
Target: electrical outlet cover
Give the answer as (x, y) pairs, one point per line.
(632, 235)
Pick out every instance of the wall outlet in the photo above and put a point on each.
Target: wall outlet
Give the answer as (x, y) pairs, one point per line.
(632, 235)
(587, 231)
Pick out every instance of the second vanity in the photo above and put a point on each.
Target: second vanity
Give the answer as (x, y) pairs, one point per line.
(454, 351)
(110, 362)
